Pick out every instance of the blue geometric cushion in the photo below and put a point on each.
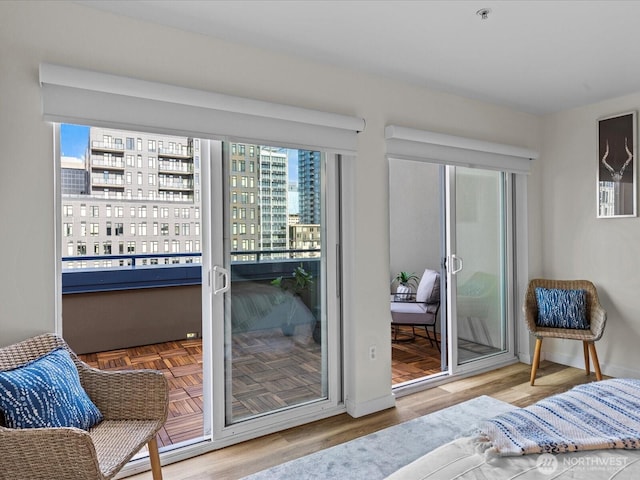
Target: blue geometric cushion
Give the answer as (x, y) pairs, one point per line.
(560, 308)
(46, 393)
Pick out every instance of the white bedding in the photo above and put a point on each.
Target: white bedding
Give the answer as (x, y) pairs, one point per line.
(462, 460)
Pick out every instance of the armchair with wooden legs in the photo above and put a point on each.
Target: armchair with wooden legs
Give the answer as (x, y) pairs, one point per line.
(134, 406)
(595, 314)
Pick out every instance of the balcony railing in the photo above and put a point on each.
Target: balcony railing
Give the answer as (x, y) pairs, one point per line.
(153, 270)
(107, 146)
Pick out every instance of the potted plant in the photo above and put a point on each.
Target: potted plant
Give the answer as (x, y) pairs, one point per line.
(299, 283)
(406, 283)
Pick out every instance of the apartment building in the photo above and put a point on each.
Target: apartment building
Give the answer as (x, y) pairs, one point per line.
(141, 195)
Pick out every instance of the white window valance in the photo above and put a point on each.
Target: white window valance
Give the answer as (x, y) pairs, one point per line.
(72, 95)
(412, 144)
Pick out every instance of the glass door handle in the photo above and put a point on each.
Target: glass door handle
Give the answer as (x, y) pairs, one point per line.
(456, 268)
(219, 271)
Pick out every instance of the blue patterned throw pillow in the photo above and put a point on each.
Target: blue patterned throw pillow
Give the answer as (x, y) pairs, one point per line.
(560, 308)
(46, 393)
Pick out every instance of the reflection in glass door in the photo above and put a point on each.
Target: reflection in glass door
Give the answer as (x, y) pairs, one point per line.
(274, 328)
(477, 262)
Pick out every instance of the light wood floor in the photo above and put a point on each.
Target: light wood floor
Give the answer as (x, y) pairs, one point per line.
(509, 384)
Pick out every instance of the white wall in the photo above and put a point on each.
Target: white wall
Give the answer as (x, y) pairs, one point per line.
(414, 216)
(75, 35)
(577, 245)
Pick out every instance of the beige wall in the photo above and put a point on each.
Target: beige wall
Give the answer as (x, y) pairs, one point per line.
(414, 216)
(75, 35)
(577, 245)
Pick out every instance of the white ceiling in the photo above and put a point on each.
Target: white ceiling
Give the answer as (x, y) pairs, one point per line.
(532, 55)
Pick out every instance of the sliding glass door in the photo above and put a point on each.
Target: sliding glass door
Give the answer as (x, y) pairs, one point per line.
(477, 263)
(456, 221)
(274, 325)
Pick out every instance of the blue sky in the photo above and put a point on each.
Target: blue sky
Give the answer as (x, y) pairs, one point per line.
(74, 140)
(292, 156)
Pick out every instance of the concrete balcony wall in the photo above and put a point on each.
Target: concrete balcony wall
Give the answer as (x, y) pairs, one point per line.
(101, 321)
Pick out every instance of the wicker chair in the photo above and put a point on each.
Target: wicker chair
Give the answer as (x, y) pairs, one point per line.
(596, 315)
(134, 405)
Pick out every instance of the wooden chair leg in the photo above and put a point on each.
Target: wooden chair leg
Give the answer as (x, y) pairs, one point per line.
(594, 357)
(585, 348)
(536, 360)
(154, 458)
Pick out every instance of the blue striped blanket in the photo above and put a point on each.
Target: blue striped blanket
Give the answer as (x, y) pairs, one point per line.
(594, 416)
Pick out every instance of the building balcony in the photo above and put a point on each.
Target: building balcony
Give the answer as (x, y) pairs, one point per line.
(184, 153)
(175, 167)
(97, 146)
(112, 181)
(176, 186)
(115, 163)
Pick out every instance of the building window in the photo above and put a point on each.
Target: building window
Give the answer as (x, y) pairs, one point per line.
(131, 247)
(68, 229)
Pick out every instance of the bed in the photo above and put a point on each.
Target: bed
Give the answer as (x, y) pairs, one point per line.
(589, 432)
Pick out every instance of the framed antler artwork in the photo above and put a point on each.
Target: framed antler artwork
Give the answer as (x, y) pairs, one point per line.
(617, 182)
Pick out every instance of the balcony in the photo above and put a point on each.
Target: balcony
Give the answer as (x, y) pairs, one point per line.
(111, 181)
(97, 146)
(183, 153)
(177, 184)
(138, 316)
(172, 167)
(101, 163)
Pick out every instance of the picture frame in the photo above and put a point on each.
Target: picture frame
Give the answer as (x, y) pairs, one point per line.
(617, 166)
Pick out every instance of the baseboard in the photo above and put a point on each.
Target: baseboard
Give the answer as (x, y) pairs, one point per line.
(608, 369)
(371, 406)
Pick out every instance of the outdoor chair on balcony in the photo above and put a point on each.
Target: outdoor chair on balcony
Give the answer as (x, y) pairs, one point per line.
(419, 309)
(113, 414)
(567, 309)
